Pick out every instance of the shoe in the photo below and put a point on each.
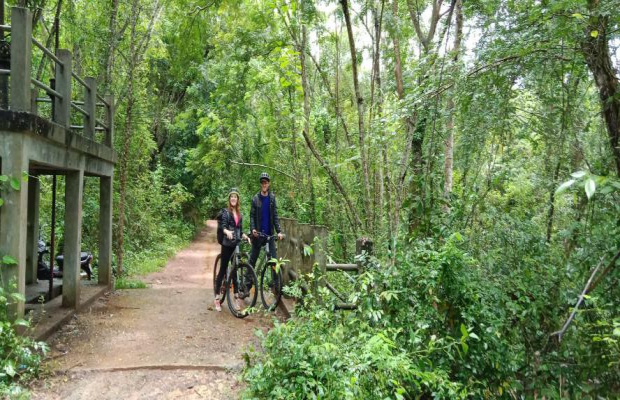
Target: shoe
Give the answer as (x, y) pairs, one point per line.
(239, 304)
(218, 305)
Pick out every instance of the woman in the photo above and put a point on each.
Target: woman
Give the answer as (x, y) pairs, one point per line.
(232, 222)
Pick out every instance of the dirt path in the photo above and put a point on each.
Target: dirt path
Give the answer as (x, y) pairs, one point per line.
(164, 342)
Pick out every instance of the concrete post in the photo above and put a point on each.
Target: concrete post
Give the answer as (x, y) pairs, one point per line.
(21, 58)
(34, 107)
(105, 230)
(32, 249)
(90, 106)
(73, 237)
(13, 218)
(109, 118)
(363, 245)
(62, 108)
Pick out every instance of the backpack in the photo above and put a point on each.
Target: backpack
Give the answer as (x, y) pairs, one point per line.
(220, 228)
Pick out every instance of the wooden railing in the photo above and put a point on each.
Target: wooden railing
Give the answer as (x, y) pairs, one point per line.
(24, 88)
(305, 245)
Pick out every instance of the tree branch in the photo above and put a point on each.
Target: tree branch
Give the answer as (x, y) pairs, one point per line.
(587, 289)
(263, 166)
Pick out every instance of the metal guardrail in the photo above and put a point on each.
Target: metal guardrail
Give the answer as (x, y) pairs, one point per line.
(48, 89)
(80, 80)
(80, 109)
(47, 52)
(342, 267)
(76, 102)
(24, 88)
(105, 103)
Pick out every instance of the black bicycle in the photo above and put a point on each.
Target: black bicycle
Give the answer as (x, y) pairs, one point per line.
(239, 287)
(270, 272)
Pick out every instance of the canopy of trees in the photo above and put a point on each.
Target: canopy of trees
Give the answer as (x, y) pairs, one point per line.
(476, 142)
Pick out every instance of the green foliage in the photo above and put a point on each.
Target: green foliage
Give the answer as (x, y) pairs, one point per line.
(125, 283)
(20, 356)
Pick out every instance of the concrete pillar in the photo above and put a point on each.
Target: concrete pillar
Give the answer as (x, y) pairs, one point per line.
(32, 250)
(13, 218)
(62, 108)
(21, 58)
(90, 106)
(105, 231)
(73, 238)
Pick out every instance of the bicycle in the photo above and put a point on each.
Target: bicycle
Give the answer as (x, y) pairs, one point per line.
(270, 282)
(239, 275)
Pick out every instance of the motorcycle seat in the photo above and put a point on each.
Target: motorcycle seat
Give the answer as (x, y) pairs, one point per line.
(83, 257)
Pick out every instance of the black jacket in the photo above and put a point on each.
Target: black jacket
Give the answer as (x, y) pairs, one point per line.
(228, 222)
(256, 215)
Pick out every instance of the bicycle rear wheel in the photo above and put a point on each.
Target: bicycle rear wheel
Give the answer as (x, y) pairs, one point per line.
(243, 279)
(216, 270)
(271, 286)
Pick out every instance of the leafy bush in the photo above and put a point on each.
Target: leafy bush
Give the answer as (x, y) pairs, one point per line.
(20, 356)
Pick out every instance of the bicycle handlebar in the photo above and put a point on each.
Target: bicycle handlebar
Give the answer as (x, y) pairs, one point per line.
(269, 237)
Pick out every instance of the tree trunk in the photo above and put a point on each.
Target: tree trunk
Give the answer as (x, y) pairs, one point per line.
(409, 122)
(449, 142)
(360, 112)
(595, 49)
(352, 213)
(127, 133)
(109, 57)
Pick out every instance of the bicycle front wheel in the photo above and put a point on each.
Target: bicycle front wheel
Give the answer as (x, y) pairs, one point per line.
(242, 289)
(216, 270)
(271, 286)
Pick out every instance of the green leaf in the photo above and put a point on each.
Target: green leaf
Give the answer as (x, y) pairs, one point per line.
(4, 178)
(17, 296)
(474, 336)
(15, 183)
(590, 187)
(465, 347)
(594, 34)
(9, 369)
(464, 331)
(8, 260)
(22, 322)
(578, 174)
(565, 186)
(577, 15)
(25, 176)
(1, 202)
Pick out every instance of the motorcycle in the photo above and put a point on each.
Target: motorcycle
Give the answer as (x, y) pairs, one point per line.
(43, 268)
(85, 260)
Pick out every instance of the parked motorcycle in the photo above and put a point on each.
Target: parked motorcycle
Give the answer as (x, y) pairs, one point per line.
(43, 266)
(85, 260)
(43, 269)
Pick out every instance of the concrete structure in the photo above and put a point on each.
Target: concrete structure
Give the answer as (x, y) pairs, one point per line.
(36, 145)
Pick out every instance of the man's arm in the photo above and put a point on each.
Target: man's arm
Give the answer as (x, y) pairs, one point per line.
(253, 216)
(276, 220)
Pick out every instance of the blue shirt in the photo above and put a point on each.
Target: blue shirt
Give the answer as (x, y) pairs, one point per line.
(265, 212)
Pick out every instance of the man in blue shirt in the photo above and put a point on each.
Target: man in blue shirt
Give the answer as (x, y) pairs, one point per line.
(264, 219)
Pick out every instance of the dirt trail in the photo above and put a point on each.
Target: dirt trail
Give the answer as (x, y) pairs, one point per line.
(164, 342)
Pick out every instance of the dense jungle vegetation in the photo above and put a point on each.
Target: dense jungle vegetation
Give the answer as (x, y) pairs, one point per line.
(476, 142)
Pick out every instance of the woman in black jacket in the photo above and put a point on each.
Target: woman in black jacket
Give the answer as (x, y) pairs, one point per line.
(232, 223)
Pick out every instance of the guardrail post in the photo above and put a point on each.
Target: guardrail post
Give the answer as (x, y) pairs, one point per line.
(34, 107)
(109, 120)
(62, 108)
(21, 58)
(363, 245)
(90, 106)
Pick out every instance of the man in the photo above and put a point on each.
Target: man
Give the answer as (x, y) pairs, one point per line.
(263, 219)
